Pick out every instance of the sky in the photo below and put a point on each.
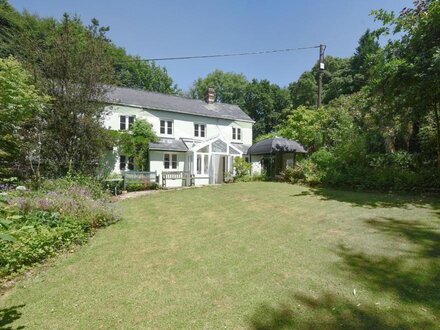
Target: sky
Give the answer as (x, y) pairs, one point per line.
(170, 28)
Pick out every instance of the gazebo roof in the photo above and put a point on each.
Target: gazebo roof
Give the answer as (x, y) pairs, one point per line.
(275, 145)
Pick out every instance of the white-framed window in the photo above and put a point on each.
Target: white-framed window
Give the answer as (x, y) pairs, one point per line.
(205, 164)
(170, 161)
(199, 164)
(166, 127)
(236, 133)
(126, 122)
(202, 164)
(200, 130)
(126, 163)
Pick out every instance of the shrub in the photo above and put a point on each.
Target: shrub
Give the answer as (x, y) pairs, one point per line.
(242, 167)
(41, 223)
(142, 186)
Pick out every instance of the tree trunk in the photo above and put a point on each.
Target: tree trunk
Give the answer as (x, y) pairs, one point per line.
(437, 124)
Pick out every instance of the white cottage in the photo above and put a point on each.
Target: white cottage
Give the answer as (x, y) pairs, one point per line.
(195, 137)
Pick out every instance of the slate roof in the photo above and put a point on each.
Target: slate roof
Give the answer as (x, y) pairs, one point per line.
(157, 101)
(274, 145)
(168, 145)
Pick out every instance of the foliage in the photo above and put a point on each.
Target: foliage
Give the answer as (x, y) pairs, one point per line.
(147, 185)
(241, 167)
(133, 71)
(408, 69)
(63, 212)
(74, 64)
(229, 87)
(304, 91)
(134, 143)
(264, 102)
(21, 106)
(75, 68)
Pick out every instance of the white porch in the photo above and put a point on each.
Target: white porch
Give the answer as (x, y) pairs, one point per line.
(208, 162)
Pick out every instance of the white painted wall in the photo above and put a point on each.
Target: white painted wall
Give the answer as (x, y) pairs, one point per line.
(183, 123)
(156, 164)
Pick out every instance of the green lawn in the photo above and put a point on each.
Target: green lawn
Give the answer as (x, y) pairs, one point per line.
(251, 255)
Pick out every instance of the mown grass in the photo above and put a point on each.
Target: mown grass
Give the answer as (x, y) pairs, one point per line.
(249, 255)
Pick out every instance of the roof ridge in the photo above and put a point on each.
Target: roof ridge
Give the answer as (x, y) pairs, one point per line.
(170, 95)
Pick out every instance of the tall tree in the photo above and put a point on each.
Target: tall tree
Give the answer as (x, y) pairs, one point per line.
(408, 75)
(304, 91)
(133, 71)
(363, 59)
(229, 87)
(265, 102)
(75, 68)
(21, 106)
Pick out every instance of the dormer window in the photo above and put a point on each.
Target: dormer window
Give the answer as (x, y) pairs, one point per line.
(166, 127)
(126, 121)
(199, 130)
(236, 133)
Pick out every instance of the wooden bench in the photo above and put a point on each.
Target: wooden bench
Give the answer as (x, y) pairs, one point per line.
(177, 175)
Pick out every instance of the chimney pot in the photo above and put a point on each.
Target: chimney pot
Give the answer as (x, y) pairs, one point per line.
(210, 96)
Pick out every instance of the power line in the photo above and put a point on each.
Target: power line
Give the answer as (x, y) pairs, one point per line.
(224, 55)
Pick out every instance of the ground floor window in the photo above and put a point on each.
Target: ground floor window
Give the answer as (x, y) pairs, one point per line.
(126, 163)
(170, 161)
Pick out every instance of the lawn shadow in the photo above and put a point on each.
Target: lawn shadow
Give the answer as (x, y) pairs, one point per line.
(412, 277)
(328, 311)
(8, 316)
(374, 199)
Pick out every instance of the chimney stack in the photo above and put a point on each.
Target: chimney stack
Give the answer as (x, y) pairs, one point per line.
(210, 96)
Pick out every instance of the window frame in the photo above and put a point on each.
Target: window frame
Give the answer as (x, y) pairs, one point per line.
(236, 134)
(198, 131)
(127, 123)
(172, 160)
(166, 127)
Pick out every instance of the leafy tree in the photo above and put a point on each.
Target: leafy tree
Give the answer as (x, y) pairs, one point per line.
(21, 104)
(265, 102)
(135, 143)
(74, 67)
(363, 59)
(304, 91)
(229, 87)
(408, 74)
(132, 71)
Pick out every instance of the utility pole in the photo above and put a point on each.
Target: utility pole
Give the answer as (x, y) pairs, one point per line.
(321, 71)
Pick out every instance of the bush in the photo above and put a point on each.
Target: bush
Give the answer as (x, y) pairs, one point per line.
(37, 225)
(242, 167)
(374, 172)
(142, 186)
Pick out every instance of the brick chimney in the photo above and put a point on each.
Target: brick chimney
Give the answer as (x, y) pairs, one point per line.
(210, 96)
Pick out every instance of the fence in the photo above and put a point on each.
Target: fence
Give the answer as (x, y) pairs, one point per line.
(139, 177)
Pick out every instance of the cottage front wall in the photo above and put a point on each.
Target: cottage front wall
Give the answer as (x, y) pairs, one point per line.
(183, 124)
